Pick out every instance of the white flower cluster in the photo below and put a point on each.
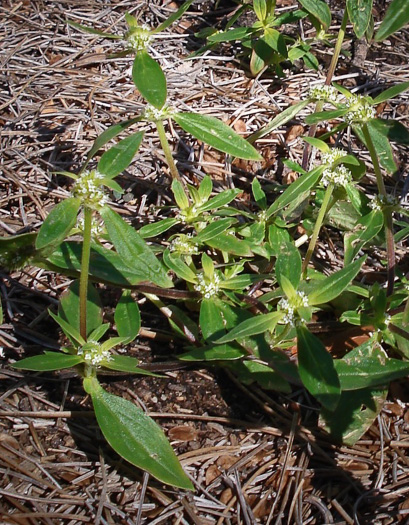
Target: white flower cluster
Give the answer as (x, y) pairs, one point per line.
(153, 114)
(97, 227)
(262, 216)
(339, 176)
(139, 38)
(94, 354)
(290, 307)
(88, 188)
(207, 288)
(324, 93)
(360, 110)
(333, 155)
(378, 202)
(184, 245)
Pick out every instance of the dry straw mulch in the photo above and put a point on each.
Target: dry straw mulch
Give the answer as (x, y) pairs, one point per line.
(252, 454)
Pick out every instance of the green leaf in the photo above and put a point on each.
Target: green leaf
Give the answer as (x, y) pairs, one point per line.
(173, 17)
(315, 118)
(17, 250)
(253, 326)
(275, 40)
(319, 10)
(127, 364)
(70, 331)
(93, 31)
(105, 265)
(239, 282)
(370, 225)
(302, 185)
(394, 130)
(230, 244)
(391, 92)
(149, 79)
(127, 317)
(226, 352)
(397, 16)
(359, 14)
(259, 195)
(205, 188)
(381, 142)
(214, 132)
(213, 229)
(69, 307)
(48, 362)
(356, 411)
(108, 135)
(136, 437)
(327, 290)
(58, 224)
(260, 8)
(238, 33)
(252, 371)
(369, 372)
(316, 369)
(118, 157)
(223, 198)
(279, 120)
(289, 264)
(180, 196)
(180, 268)
(211, 320)
(157, 228)
(133, 249)
(99, 332)
(317, 143)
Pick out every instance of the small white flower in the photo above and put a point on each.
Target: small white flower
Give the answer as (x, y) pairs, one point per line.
(378, 202)
(153, 114)
(138, 38)
(324, 93)
(339, 176)
(2, 354)
(88, 188)
(262, 216)
(333, 155)
(360, 110)
(290, 308)
(208, 288)
(94, 354)
(184, 245)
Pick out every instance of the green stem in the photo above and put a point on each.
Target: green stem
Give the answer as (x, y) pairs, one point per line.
(166, 150)
(330, 73)
(317, 227)
(387, 212)
(86, 251)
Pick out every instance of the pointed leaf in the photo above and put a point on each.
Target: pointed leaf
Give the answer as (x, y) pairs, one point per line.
(394, 130)
(214, 132)
(150, 80)
(108, 135)
(70, 331)
(93, 31)
(58, 224)
(133, 249)
(118, 157)
(315, 118)
(137, 438)
(253, 326)
(397, 16)
(230, 244)
(238, 33)
(157, 228)
(391, 92)
(316, 369)
(127, 317)
(359, 14)
(223, 198)
(181, 269)
(180, 196)
(213, 229)
(69, 307)
(319, 10)
(173, 17)
(335, 284)
(225, 352)
(48, 362)
(211, 320)
(289, 264)
(382, 145)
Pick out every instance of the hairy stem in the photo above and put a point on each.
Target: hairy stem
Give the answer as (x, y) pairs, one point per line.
(317, 226)
(166, 150)
(390, 243)
(330, 73)
(86, 250)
